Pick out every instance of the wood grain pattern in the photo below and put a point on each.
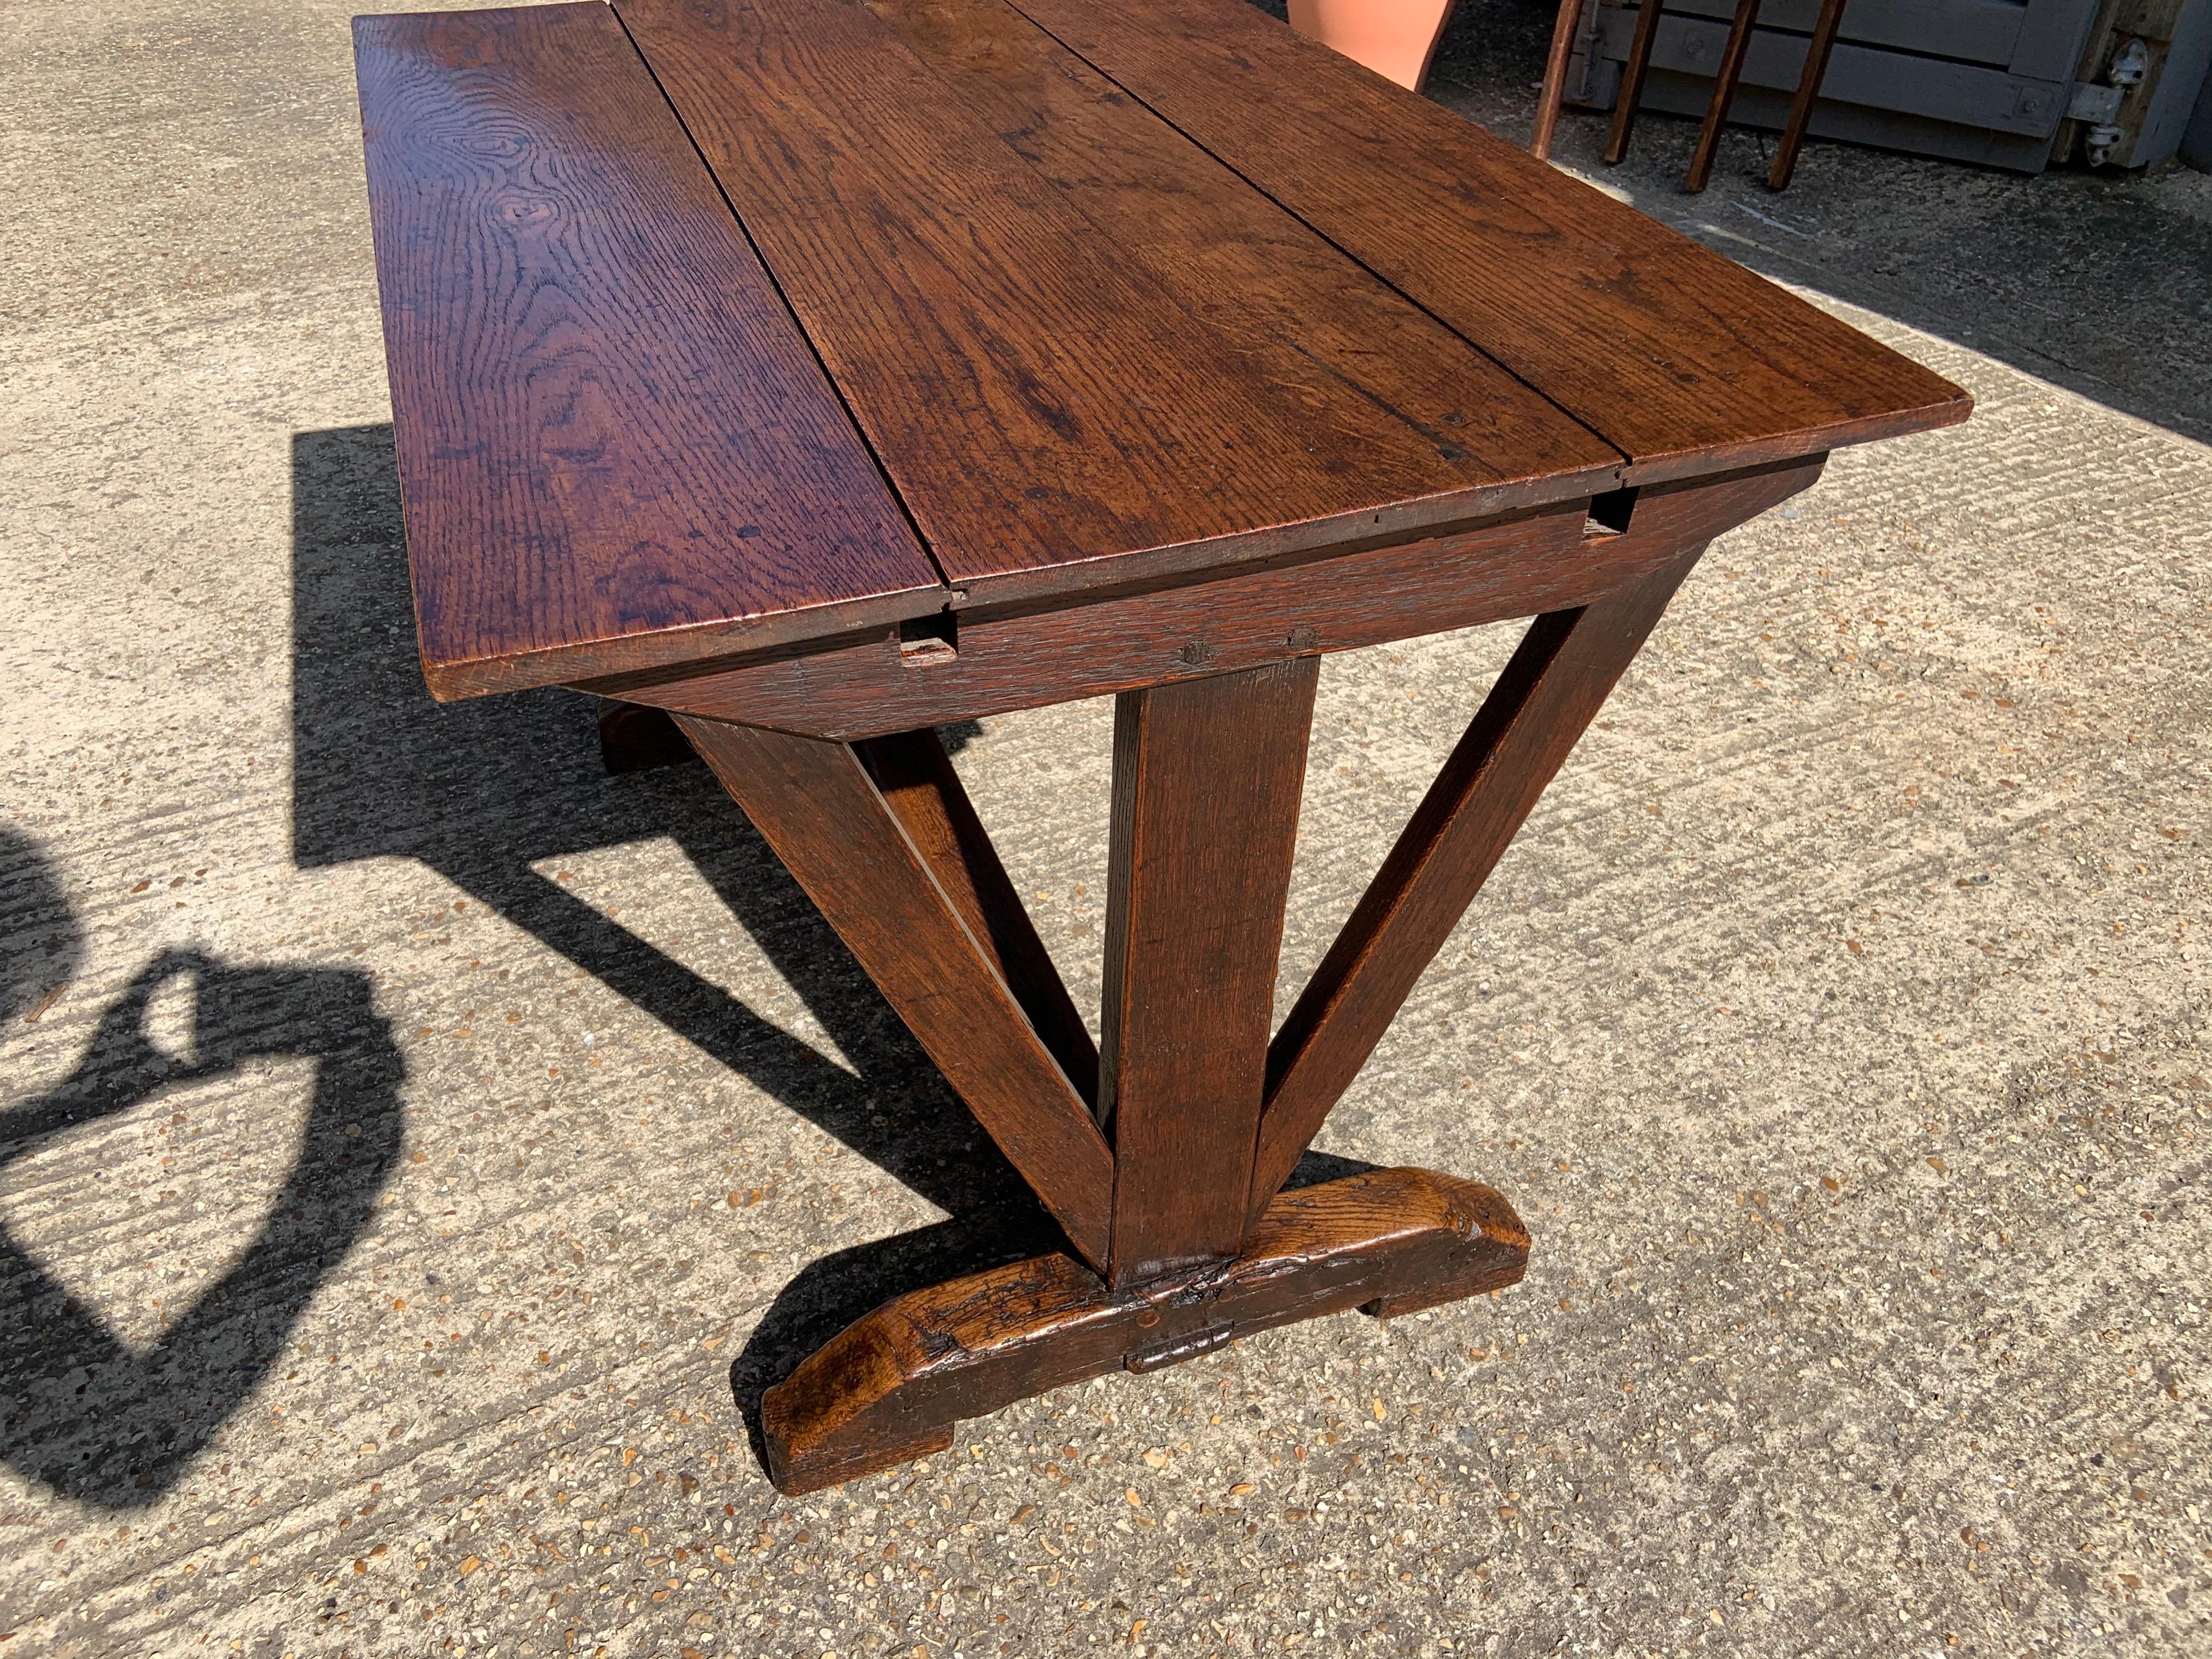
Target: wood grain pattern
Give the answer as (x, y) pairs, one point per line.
(890, 1387)
(1278, 290)
(1035, 395)
(1683, 359)
(1207, 781)
(1549, 692)
(1021, 658)
(817, 806)
(615, 449)
(925, 794)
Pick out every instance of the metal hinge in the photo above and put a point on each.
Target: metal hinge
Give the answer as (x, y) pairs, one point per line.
(2098, 106)
(2093, 103)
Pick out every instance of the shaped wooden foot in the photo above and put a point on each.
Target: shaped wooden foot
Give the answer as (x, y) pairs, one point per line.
(890, 1387)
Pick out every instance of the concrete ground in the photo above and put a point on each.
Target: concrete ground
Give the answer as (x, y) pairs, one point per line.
(411, 1137)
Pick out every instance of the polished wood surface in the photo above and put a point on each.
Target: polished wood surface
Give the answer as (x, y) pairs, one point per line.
(1039, 397)
(1207, 781)
(615, 449)
(1678, 358)
(1300, 307)
(1110, 297)
(890, 1387)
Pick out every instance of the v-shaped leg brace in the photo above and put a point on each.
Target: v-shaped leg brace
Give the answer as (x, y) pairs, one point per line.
(1174, 1207)
(1567, 667)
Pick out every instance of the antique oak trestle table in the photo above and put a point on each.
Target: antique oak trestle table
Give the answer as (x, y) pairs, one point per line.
(815, 372)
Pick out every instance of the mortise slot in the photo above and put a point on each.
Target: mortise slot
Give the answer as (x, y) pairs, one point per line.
(924, 640)
(1612, 510)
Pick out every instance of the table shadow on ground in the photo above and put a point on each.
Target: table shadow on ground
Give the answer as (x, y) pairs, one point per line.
(485, 790)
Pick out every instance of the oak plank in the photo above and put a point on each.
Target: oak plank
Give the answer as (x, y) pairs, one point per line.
(816, 806)
(615, 449)
(1681, 359)
(1259, 275)
(1207, 782)
(925, 794)
(1548, 694)
(1038, 397)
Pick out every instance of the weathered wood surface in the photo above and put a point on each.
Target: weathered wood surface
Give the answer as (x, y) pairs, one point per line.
(1683, 359)
(615, 449)
(817, 806)
(1548, 693)
(1278, 289)
(1207, 781)
(1117, 302)
(1972, 31)
(890, 1387)
(1191, 354)
(1039, 397)
(1870, 78)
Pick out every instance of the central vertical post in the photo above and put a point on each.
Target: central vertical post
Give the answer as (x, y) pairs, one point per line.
(1206, 778)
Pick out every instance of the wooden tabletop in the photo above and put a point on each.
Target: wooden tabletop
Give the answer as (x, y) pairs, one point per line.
(718, 326)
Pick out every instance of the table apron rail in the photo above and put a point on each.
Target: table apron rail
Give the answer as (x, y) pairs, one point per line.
(967, 664)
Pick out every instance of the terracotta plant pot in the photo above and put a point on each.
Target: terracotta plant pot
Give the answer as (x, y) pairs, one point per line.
(1391, 37)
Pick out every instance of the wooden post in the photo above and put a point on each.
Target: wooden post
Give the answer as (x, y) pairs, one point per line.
(1631, 81)
(1555, 78)
(1206, 779)
(1731, 71)
(1809, 90)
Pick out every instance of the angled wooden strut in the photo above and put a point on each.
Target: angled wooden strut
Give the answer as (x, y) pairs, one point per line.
(1724, 84)
(918, 898)
(1631, 81)
(924, 793)
(1565, 668)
